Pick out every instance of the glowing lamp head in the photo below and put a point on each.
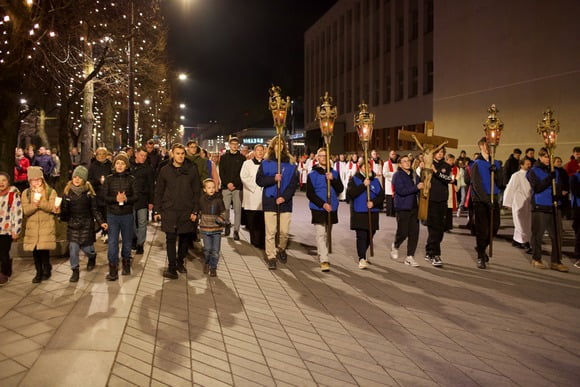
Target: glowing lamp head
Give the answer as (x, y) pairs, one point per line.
(326, 115)
(493, 127)
(363, 122)
(279, 107)
(549, 128)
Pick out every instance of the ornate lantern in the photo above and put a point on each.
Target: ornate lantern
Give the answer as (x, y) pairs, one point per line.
(326, 114)
(492, 127)
(279, 108)
(363, 122)
(549, 128)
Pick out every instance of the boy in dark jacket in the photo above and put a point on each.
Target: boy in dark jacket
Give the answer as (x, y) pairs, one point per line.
(211, 224)
(316, 191)
(406, 186)
(356, 195)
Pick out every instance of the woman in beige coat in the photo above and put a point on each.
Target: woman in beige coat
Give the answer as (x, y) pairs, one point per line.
(38, 205)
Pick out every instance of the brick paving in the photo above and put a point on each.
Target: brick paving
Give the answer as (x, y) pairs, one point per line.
(388, 325)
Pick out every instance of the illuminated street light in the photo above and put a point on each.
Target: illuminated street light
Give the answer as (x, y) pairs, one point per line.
(182, 106)
(147, 102)
(182, 117)
(182, 77)
(23, 101)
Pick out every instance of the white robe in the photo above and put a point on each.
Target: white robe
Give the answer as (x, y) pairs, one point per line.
(388, 175)
(518, 196)
(342, 168)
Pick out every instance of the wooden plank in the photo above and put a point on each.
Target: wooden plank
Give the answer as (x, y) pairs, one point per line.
(406, 135)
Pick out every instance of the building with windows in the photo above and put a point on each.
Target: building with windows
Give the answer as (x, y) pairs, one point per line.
(445, 61)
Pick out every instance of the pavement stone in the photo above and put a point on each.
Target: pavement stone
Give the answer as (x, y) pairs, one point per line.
(388, 325)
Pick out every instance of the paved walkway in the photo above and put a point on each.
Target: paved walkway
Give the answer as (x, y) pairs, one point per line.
(388, 325)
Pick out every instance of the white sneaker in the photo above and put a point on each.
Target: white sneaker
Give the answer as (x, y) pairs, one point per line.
(394, 251)
(458, 213)
(362, 264)
(411, 261)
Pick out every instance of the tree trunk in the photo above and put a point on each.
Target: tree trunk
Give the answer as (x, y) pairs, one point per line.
(63, 144)
(108, 117)
(9, 124)
(41, 129)
(88, 120)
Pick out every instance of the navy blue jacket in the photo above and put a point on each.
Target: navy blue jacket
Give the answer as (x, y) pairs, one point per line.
(265, 177)
(405, 185)
(481, 180)
(540, 179)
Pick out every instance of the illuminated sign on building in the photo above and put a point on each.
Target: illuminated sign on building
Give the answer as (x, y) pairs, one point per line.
(253, 140)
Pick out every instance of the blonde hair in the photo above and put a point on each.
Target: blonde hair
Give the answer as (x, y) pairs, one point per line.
(87, 184)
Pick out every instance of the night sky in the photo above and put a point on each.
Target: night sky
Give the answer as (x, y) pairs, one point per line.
(234, 50)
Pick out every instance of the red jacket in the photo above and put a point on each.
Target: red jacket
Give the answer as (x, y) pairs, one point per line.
(572, 167)
(21, 169)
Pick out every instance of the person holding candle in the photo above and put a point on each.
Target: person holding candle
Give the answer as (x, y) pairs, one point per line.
(38, 205)
(79, 209)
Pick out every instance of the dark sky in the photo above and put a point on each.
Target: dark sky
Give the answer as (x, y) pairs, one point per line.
(234, 50)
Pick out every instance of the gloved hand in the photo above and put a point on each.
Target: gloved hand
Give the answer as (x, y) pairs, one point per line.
(493, 168)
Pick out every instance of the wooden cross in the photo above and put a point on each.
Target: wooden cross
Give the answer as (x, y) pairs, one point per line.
(429, 144)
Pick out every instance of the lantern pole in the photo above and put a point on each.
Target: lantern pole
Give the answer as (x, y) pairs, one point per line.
(492, 127)
(279, 108)
(363, 122)
(326, 114)
(549, 128)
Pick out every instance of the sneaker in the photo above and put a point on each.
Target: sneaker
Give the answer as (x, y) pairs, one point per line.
(559, 267)
(206, 268)
(459, 212)
(577, 264)
(236, 236)
(362, 263)
(481, 263)
(272, 264)
(282, 256)
(427, 258)
(436, 261)
(213, 272)
(394, 251)
(170, 273)
(411, 261)
(538, 264)
(324, 266)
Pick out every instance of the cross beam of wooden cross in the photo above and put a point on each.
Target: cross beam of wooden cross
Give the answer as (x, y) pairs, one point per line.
(428, 139)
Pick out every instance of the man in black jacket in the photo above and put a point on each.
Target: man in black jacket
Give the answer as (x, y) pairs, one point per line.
(100, 168)
(145, 185)
(177, 195)
(437, 214)
(231, 184)
(512, 165)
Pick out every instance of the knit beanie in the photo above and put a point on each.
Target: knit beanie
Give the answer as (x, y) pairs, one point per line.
(81, 172)
(123, 157)
(35, 173)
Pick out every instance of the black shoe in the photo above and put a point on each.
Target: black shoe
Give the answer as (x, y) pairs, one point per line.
(126, 267)
(481, 263)
(181, 268)
(529, 250)
(212, 272)
(227, 229)
(139, 250)
(282, 256)
(113, 274)
(206, 268)
(170, 273)
(75, 275)
(37, 278)
(518, 245)
(436, 261)
(272, 264)
(236, 236)
(91, 263)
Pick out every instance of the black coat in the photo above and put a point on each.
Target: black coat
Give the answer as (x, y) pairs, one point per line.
(177, 194)
(120, 182)
(230, 167)
(360, 220)
(80, 211)
(96, 170)
(144, 184)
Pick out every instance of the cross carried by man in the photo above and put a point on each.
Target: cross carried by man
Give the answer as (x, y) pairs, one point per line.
(429, 144)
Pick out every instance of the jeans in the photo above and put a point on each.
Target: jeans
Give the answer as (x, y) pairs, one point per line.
(211, 248)
(74, 250)
(119, 224)
(141, 225)
(407, 228)
(235, 197)
(175, 257)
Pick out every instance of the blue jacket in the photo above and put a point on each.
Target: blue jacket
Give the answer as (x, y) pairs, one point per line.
(316, 187)
(405, 185)
(266, 178)
(359, 202)
(481, 179)
(540, 179)
(575, 189)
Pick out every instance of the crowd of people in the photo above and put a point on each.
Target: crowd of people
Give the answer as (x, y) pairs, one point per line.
(192, 194)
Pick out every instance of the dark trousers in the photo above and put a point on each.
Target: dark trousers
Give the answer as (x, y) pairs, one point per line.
(42, 261)
(407, 228)
(576, 227)
(542, 221)
(255, 223)
(182, 241)
(363, 242)
(436, 221)
(482, 224)
(5, 261)
(449, 219)
(103, 211)
(390, 205)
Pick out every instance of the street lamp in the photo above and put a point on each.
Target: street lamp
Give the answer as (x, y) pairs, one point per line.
(363, 123)
(492, 127)
(326, 115)
(279, 108)
(182, 77)
(182, 106)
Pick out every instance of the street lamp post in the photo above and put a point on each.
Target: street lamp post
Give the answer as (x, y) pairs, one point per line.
(279, 108)
(326, 115)
(492, 127)
(549, 128)
(363, 122)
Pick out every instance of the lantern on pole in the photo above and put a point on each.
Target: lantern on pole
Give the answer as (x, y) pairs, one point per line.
(326, 115)
(279, 108)
(363, 122)
(492, 127)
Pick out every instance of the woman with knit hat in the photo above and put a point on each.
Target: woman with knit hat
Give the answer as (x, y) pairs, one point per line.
(120, 194)
(38, 205)
(10, 224)
(79, 209)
